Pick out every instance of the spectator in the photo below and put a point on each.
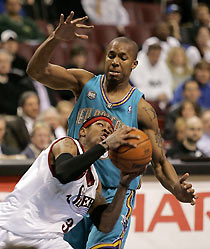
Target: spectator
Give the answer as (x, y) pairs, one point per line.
(52, 117)
(179, 66)
(10, 43)
(107, 12)
(5, 150)
(65, 108)
(202, 16)
(20, 128)
(191, 93)
(25, 27)
(161, 36)
(11, 85)
(203, 143)
(201, 46)
(201, 74)
(41, 137)
(152, 77)
(187, 148)
(173, 18)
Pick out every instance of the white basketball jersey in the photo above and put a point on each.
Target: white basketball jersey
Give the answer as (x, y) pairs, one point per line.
(42, 207)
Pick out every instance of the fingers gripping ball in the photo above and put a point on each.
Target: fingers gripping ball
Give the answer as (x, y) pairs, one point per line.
(130, 159)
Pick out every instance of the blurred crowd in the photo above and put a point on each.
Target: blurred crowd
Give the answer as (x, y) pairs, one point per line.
(173, 71)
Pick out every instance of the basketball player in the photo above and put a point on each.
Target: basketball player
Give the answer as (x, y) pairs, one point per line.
(110, 95)
(62, 186)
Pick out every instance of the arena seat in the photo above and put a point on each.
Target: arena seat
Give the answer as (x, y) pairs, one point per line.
(151, 12)
(138, 33)
(103, 34)
(134, 11)
(26, 50)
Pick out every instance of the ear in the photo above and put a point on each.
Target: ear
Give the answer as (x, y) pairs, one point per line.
(82, 132)
(135, 63)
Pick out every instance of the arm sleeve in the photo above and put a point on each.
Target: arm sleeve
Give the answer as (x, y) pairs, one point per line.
(68, 168)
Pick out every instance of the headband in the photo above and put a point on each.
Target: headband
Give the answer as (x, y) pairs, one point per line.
(94, 119)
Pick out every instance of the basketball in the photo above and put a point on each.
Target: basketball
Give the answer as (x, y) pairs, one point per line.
(130, 159)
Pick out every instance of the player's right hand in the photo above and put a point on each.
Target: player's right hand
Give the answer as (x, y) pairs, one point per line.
(120, 137)
(68, 29)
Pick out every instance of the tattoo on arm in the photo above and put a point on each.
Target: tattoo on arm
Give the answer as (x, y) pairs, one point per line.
(151, 113)
(159, 141)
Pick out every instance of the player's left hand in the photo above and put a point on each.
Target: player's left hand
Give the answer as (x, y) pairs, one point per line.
(126, 177)
(184, 191)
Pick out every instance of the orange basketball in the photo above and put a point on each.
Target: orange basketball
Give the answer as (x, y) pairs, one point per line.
(130, 159)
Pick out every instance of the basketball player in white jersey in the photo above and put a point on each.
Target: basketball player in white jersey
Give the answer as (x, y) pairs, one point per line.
(62, 186)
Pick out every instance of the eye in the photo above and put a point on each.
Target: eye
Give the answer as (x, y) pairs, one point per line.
(100, 124)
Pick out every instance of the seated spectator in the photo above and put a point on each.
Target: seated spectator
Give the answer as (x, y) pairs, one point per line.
(173, 16)
(187, 148)
(161, 36)
(107, 12)
(65, 108)
(179, 66)
(52, 117)
(11, 85)
(203, 143)
(152, 76)
(202, 75)
(191, 93)
(10, 43)
(41, 137)
(5, 150)
(201, 46)
(25, 27)
(202, 16)
(20, 128)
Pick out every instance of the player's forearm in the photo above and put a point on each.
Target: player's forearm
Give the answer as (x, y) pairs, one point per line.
(111, 214)
(166, 174)
(40, 59)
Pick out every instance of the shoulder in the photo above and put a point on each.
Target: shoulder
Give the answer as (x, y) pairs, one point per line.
(64, 145)
(83, 76)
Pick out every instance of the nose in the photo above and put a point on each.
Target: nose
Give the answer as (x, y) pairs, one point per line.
(115, 62)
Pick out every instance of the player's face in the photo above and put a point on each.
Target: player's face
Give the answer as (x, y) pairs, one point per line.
(98, 131)
(119, 61)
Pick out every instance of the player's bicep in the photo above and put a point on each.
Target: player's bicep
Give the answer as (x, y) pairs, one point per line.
(149, 124)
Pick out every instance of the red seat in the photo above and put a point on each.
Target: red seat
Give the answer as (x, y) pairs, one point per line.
(134, 11)
(138, 33)
(151, 12)
(103, 34)
(26, 50)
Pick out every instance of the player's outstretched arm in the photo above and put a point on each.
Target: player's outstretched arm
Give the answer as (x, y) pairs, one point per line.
(55, 76)
(105, 216)
(163, 169)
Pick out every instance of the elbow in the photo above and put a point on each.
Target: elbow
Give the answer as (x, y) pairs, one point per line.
(33, 73)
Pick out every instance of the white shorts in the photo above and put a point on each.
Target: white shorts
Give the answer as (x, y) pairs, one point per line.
(7, 237)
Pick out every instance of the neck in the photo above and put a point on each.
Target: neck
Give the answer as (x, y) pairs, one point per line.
(113, 86)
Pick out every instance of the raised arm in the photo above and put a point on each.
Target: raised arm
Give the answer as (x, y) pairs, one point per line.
(163, 169)
(55, 76)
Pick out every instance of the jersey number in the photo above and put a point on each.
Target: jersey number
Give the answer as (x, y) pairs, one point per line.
(67, 225)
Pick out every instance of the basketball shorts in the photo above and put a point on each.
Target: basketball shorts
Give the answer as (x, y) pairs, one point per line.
(86, 236)
(7, 237)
